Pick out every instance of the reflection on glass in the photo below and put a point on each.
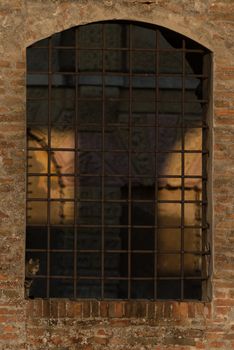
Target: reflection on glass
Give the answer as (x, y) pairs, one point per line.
(61, 213)
(37, 137)
(169, 265)
(62, 162)
(193, 164)
(63, 60)
(89, 213)
(62, 187)
(169, 214)
(169, 239)
(37, 186)
(170, 62)
(143, 62)
(62, 137)
(90, 61)
(37, 213)
(37, 162)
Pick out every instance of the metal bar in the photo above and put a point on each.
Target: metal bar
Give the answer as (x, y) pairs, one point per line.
(129, 267)
(103, 166)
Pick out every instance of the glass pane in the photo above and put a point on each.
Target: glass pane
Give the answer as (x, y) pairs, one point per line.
(89, 213)
(61, 114)
(142, 239)
(64, 38)
(143, 214)
(37, 60)
(90, 163)
(115, 188)
(193, 289)
(89, 238)
(61, 213)
(37, 162)
(169, 139)
(142, 265)
(169, 164)
(143, 62)
(36, 238)
(193, 239)
(116, 214)
(170, 62)
(192, 214)
(37, 213)
(90, 61)
(89, 138)
(89, 264)
(90, 35)
(37, 111)
(194, 63)
(116, 163)
(89, 187)
(193, 139)
(193, 164)
(169, 239)
(116, 238)
(62, 162)
(63, 60)
(61, 264)
(143, 164)
(169, 39)
(89, 288)
(169, 265)
(90, 111)
(116, 35)
(143, 139)
(116, 138)
(145, 189)
(116, 265)
(116, 111)
(116, 61)
(142, 289)
(192, 265)
(169, 289)
(37, 187)
(61, 288)
(115, 289)
(169, 189)
(62, 136)
(143, 37)
(62, 187)
(62, 238)
(169, 214)
(37, 136)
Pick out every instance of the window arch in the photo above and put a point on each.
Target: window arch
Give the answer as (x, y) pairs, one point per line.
(117, 150)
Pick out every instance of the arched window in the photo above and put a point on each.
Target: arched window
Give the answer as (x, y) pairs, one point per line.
(117, 158)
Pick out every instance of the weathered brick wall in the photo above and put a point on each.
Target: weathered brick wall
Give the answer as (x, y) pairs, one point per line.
(65, 324)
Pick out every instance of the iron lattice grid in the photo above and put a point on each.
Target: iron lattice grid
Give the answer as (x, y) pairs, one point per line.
(187, 47)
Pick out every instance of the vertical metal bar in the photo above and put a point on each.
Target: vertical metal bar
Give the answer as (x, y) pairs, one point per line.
(49, 165)
(129, 162)
(156, 165)
(76, 155)
(103, 163)
(182, 173)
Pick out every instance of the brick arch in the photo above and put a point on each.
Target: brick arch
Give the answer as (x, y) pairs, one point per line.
(58, 17)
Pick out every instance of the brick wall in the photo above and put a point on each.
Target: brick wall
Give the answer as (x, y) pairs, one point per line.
(65, 324)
